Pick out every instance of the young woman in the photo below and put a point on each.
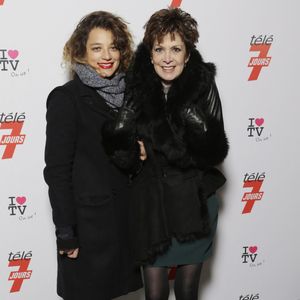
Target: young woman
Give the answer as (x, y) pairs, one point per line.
(88, 194)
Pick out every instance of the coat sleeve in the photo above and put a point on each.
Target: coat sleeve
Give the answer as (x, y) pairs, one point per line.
(60, 147)
(120, 139)
(208, 144)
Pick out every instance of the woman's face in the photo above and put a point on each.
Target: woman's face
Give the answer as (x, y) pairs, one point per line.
(101, 52)
(169, 57)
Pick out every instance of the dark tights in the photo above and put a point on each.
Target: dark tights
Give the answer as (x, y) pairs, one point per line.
(185, 285)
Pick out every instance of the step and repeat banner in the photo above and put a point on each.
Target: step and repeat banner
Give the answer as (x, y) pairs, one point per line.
(255, 47)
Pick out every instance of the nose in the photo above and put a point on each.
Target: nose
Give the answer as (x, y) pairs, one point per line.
(167, 57)
(106, 55)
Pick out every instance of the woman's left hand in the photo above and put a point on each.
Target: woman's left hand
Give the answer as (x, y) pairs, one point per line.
(71, 253)
(143, 153)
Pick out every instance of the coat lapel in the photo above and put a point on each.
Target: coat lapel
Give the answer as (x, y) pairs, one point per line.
(93, 100)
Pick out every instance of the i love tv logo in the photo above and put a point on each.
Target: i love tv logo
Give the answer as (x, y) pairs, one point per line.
(249, 254)
(17, 205)
(255, 127)
(9, 59)
(262, 45)
(256, 130)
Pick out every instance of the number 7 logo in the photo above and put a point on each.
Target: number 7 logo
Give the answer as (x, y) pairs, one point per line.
(13, 139)
(262, 60)
(252, 196)
(19, 276)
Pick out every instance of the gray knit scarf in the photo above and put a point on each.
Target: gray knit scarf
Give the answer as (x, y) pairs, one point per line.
(112, 90)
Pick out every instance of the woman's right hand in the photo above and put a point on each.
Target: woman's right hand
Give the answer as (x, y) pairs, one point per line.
(71, 253)
(143, 153)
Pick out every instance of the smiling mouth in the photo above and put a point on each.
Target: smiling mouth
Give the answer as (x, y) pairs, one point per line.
(168, 68)
(105, 65)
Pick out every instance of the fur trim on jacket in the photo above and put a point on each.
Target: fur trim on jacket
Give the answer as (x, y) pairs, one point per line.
(159, 122)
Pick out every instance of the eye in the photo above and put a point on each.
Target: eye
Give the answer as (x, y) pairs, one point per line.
(177, 49)
(114, 48)
(158, 49)
(96, 49)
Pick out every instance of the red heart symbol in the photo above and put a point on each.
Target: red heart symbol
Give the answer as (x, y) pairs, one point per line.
(259, 122)
(253, 249)
(13, 53)
(21, 200)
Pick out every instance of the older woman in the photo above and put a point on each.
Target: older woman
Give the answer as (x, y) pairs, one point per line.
(88, 194)
(169, 135)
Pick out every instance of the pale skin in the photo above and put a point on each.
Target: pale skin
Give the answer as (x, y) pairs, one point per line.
(101, 52)
(169, 57)
(143, 154)
(103, 56)
(72, 253)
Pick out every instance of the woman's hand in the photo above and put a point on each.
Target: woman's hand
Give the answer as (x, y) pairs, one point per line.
(71, 253)
(143, 153)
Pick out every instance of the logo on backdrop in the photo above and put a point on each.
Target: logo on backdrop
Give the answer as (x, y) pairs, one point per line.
(9, 59)
(251, 256)
(175, 3)
(250, 297)
(10, 132)
(254, 182)
(18, 208)
(262, 45)
(21, 261)
(9, 62)
(256, 128)
(1, 2)
(17, 205)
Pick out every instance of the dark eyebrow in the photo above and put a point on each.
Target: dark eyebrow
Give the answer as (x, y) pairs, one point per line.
(160, 45)
(100, 44)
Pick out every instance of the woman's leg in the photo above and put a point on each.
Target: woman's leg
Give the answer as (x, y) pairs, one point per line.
(187, 282)
(156, 283)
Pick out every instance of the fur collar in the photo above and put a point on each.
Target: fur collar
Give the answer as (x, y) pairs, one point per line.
(191, 86)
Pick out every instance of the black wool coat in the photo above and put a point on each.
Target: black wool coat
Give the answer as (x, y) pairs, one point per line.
(170, 190)
(89, 197)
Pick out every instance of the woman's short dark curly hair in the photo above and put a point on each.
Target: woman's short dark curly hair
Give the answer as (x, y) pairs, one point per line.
(75, 47)
(172, 20)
